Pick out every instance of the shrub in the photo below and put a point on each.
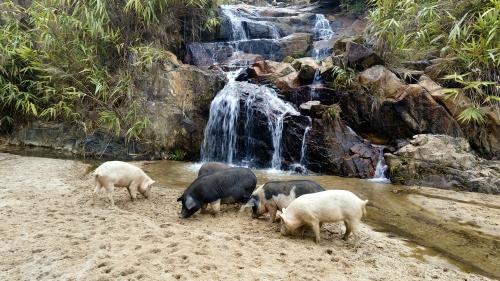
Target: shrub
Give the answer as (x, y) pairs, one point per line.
(61, 59)
(467, 33)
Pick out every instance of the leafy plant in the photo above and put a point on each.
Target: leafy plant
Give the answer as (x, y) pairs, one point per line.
(465, 33)
(60, 59)
(177, 155)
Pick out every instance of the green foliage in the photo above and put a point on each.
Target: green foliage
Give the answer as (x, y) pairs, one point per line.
(177, 155)
(466, 33)
(343, 77)
(334, 111)
(61, 59)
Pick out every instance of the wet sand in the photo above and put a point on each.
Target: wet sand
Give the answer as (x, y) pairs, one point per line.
(52, 229)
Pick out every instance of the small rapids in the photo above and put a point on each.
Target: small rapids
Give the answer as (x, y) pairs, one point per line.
(380, 170)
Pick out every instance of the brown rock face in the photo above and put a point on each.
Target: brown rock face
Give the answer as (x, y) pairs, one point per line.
(484, 138)
(359, 57)
(307, 68)
(381, 81)
(444, 162)
(177, 101)
(394, 110)
(296, 44)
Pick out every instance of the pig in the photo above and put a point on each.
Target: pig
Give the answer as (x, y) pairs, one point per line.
(276, 195)
(211, 167)
(113, 174)
(314, 209)
(229, 185)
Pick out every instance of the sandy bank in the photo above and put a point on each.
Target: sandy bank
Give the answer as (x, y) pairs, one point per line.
(52, 229)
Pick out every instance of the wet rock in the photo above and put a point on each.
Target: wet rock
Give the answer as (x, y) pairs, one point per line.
(444, 162)
(307, 68)
(301, 94)
(67, 137)
(205, 54)
(293, 134)
(331, 146)
(305, 108)
(296, 44)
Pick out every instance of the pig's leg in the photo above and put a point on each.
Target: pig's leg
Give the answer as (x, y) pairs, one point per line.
(215, 207)
(272, 209)
(96, 190)
(132, 190)
(97, 187)
(316, 229)
(348, 229)
(109, 191)
(204, 208)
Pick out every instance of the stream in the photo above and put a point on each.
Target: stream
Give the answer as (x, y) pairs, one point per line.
(245, 127)
(435, 237)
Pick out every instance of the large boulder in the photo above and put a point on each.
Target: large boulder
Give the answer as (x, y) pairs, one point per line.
(444, 162)
(331, 146)
(177, 101)
(393, 110)
(484, 138)
(296, 44)
(307, 68)
(381, 81)
(360, 57)
(266, 71)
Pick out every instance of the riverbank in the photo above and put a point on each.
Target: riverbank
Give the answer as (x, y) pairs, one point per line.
(52, 229)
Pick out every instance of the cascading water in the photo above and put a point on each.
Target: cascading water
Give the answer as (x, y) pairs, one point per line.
(219, 143)
(380, 169)
(321, 31)
(238, 32)
(275, 111)
(303, 149)
(221, 132)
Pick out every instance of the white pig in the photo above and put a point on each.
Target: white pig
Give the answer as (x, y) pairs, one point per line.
(113, 174)
(317, 208)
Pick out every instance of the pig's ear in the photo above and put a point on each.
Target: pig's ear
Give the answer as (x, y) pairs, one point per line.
(190, 202)
(179, 199)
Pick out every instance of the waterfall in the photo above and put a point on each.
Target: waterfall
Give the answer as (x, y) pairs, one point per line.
(238, 32)
(275, 110)
(380, 169)
(244, 110)
(321, 31)
(221, 133)
(219, 143)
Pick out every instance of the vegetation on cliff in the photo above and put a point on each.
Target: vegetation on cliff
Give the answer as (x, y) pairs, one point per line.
(75, 60)
(463, 35)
